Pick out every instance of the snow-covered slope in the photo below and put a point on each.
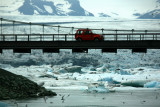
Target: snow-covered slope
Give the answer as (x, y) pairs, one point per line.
(44, 7)
(152, 14)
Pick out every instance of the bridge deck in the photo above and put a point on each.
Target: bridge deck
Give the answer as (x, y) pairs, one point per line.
(148, 44)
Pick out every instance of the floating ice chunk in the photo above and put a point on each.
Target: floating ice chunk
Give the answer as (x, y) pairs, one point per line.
(50, 70)
(135, 83)
(109, 80)
(152, 84)
(98, 88)
(92, 69)
(48, 74)
(122, 72)
(61, 70)
(102, 69)
(71, 69)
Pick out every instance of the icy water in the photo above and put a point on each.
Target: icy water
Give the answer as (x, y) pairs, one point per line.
(83, 99)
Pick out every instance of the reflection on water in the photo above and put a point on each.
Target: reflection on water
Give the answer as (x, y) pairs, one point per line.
(81, 99)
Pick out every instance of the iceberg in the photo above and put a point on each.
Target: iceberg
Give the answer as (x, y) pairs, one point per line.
(98, 88)
(122, 72)
(109, 80)
(71, 69)
(135, 83)
(152, 84)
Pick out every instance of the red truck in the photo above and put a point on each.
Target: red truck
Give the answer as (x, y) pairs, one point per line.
(87, 35)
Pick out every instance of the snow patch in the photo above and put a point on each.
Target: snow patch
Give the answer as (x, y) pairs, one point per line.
(48, 8)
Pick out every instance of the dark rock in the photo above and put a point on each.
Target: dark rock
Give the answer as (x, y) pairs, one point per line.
(18, 87)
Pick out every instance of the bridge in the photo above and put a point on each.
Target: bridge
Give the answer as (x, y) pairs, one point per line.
(24, 36)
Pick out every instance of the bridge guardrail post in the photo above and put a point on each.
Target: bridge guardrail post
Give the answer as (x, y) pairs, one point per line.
(53, 37)
(28, 38)
(1, 25)
(58, 31)
(3, 38)
(13, 27)
(15, 37)
(127, 37)
(102, 30)
(40, 37)
(72, 32)
(156, 37)
(65, 37)
(146, 34)
(116, 38)
(30, 28)
(132, 33)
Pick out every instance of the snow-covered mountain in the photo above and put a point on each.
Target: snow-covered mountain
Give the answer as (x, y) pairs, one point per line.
(151, 14)
(44, 7)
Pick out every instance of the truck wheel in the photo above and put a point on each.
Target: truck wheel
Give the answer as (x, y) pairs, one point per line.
(79, 39)
(96, 39)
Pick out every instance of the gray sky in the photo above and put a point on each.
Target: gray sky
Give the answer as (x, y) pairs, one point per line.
(123, 7)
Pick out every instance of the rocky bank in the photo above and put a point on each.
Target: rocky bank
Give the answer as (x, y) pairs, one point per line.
(18, 87)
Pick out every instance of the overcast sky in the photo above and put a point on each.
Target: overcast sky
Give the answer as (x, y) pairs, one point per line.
(120, 6)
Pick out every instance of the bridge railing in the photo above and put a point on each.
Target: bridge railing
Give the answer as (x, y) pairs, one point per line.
(37, 37)
(71, 37)
(130, 36)
(11, 30)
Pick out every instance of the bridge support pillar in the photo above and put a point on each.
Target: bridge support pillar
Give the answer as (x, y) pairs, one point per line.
(139, 50)
(22, 50)
(109, 50)
(76, 50)
(50, 50)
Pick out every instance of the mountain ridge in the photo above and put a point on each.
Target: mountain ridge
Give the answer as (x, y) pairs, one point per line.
(45, 7)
